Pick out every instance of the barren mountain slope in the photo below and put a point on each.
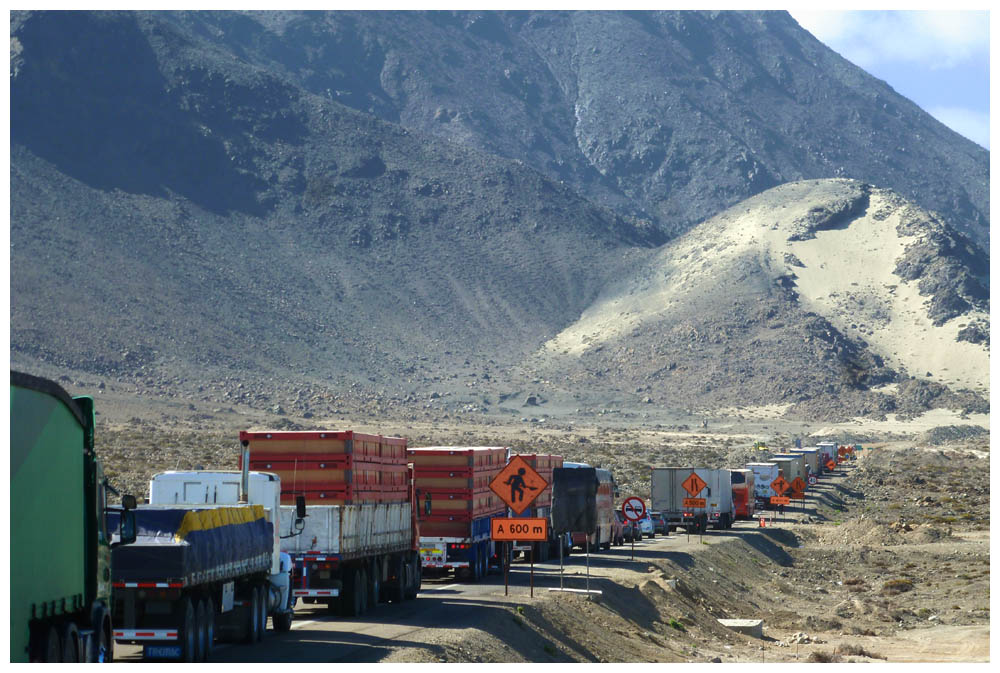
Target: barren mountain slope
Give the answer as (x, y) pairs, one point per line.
(807, 290)
(668, 115)
(400, 258)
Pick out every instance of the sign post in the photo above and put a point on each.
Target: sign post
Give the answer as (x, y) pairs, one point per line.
(634, 509)
(779, 486)
(518, 484)
(693, 485)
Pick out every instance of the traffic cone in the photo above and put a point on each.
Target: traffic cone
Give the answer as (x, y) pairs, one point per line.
(762, 524)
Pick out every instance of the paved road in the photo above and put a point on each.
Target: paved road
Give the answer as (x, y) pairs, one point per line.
(442, 603)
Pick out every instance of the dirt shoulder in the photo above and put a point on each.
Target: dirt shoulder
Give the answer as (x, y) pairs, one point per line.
(855, 586)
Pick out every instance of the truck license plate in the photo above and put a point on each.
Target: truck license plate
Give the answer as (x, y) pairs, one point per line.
(161, 651)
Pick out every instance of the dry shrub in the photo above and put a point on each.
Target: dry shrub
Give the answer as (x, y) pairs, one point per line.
(858, 651)
(819, 657)
(853, 580)
(897, 586)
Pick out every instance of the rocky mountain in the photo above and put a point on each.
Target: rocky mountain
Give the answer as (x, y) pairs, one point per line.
(402, 200)
(809, 291)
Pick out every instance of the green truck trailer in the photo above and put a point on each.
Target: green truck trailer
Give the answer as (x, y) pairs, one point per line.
(60, 546)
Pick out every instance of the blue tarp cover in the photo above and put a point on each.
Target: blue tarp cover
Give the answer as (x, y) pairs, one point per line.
(191, 543)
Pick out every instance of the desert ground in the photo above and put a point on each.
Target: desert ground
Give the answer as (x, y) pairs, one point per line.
(887, 560)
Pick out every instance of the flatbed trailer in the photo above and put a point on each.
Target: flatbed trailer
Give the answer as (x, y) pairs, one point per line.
(193, 573)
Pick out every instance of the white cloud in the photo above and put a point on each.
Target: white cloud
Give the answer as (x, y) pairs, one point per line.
(972, 124)
(934, 39)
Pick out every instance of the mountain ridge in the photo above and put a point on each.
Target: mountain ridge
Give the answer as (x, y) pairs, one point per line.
(319, 201)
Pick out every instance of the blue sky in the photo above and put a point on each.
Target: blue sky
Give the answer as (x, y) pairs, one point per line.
(938, 59)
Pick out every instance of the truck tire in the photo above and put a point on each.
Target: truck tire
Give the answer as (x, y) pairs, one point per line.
(397, 591)
(69, 637)
(252, 623)
(282, 621)
(101, 644)
(188, 631)
(363, 591)
(415, 575)
(209, 627)
(262, 611)
(475, 567)
(349, 605)
(374, 584)
(201, 620)
(51, 650)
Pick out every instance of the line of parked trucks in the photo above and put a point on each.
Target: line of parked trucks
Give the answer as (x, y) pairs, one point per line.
(344, 519)
(728, 495)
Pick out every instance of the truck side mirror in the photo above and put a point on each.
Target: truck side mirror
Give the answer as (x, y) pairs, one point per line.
(127, 526)
(128, 502)
(300, 506)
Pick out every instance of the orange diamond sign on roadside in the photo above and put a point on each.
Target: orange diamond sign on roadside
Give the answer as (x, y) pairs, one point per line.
(831, 464)
(780, 485)
(798, 486)
(518, 484)
(693, 484)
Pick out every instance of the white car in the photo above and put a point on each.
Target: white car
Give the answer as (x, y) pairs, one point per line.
(646, 525)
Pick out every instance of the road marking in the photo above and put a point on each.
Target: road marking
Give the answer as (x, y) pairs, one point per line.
(449, 586)
(296, 625)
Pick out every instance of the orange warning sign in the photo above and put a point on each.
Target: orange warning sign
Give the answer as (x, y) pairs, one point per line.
(798, 486)
(518, 484)
(693, 484)
(780, 500)
(831, 465)
(694, 502)
(779, 485)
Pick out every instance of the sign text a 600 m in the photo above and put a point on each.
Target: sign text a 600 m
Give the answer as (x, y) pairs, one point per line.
(519, 529)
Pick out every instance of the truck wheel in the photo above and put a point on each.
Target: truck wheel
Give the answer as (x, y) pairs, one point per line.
(262, 611)
(189, 631)
(375, 583)
(282, 621)
(209, 626)
(353, 605)
(476, 564)
(69, 636)
(363, 591)
(201, 620)
(99, 646)
(105, 643)
(51, 649)
(253, 617)
(397, 591)
(414, 577)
